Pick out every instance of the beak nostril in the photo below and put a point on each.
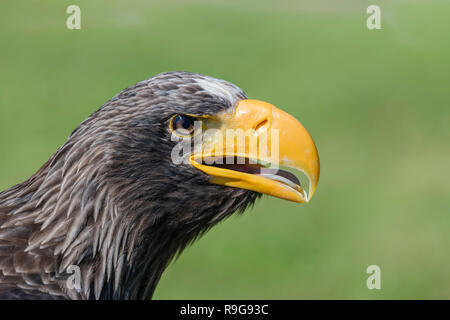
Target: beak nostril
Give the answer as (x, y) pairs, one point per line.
(261, 124)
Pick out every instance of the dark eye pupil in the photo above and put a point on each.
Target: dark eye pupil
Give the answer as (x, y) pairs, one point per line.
(184, 123)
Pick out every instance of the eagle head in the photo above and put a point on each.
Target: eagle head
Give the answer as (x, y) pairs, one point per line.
(141, 178)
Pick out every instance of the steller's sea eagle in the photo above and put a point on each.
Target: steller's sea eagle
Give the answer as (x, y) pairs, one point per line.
(114, 203)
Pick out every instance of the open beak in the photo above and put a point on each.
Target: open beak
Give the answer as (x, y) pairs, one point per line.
(245, 149)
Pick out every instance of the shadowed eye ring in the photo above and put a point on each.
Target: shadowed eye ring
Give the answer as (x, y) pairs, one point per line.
(182, 125)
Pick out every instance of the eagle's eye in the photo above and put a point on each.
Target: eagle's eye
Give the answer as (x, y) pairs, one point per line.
(182, 125)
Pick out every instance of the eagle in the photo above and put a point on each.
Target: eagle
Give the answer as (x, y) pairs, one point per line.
(130, 189)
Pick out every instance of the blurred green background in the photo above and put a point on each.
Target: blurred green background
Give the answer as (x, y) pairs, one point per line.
(376, 102)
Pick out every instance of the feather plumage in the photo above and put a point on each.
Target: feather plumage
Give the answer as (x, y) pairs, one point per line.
(111, 202)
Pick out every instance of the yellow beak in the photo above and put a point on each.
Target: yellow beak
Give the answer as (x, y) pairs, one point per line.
(259, 134)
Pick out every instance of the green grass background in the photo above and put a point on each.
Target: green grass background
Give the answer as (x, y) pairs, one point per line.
(376, 102)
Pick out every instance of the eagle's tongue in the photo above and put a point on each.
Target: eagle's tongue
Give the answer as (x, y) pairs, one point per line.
(283, 176)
